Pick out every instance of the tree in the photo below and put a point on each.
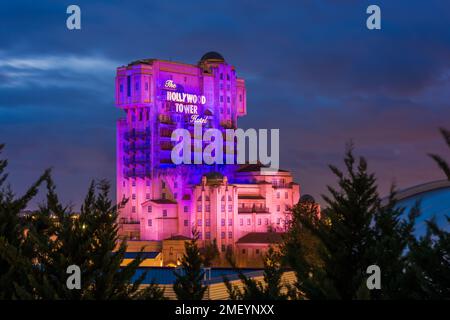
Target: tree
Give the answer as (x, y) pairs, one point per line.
(438, 159)
(189, 281)
(15, 258)
(270, 289)
(345, 233)
(88, 240)
(209, 253)
(430, 256)
(302, 252)
(393, 234)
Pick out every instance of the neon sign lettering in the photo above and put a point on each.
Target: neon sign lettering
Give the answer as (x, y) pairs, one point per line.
(170, 84)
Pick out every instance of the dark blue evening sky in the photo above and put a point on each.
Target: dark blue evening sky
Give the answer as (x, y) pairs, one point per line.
(312, 68)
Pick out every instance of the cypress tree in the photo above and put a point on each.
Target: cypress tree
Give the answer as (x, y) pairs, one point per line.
(15, 257)
(189, 280)
(88, 240)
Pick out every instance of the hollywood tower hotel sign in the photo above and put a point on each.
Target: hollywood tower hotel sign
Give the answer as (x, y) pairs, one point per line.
(234, 204)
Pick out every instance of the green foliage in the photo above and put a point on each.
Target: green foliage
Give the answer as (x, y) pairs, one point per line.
(438, 159)
(209, 253)
(36, 249)
(89, 240)
(189, 281)
(15, 256)
(430, 256)
(355, 231)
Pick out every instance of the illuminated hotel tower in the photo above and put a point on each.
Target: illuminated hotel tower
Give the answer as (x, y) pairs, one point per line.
(223, 202)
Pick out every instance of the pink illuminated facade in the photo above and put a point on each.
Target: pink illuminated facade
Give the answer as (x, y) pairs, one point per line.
(223, 202)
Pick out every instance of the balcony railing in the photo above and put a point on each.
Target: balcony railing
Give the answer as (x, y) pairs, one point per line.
(253, 209)
(281, 185)
(128, 221)
(142, 146)
(133, 134)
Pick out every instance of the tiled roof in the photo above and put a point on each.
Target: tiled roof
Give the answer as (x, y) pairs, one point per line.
(255, 197)
(145, 255)
(163, 201)
(255, 168)
(261, 237)
(178, 237)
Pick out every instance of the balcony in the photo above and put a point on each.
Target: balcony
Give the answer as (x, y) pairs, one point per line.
(281, 185)
(166, 133)
(142, 146)
(165, 119)
(134, 134)
(128, 221)
(254, 209)
(129, 148)
(166, 146)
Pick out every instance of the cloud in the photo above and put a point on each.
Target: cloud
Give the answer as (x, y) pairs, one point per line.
(312, 69)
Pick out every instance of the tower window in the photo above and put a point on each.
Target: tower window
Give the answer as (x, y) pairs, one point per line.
(133, 196)
(186, 209)
(121, 88)
(230, 234)
(164, 213)
(147, 196)
(186, 223)
(222, 235)
(149, 209)
(146, 86)
(223, 222)
(149, 222)
(133, 209)
(230, 222)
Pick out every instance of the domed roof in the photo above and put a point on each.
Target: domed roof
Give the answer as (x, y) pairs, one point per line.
(214, 175)
(212, 55)
(307, 198)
